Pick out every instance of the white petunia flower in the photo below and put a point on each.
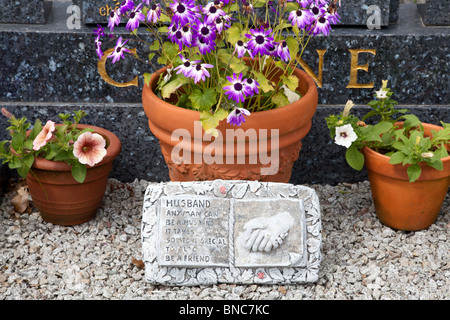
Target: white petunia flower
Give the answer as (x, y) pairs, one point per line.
(345, 135)
(381, 94)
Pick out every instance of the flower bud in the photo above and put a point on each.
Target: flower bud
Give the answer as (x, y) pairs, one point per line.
(427, 155)
(361, 124)
(6, 113)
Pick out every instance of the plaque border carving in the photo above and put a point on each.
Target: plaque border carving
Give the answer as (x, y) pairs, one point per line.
(238, 189)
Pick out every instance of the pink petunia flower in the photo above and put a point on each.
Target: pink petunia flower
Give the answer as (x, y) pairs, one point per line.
(89, 148)
(43, 136)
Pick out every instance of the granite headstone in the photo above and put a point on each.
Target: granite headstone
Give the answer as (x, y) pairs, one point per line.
(435, 12)
(24, 11)
(221, 231)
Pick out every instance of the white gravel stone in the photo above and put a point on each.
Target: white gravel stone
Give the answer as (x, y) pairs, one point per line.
(362, 259)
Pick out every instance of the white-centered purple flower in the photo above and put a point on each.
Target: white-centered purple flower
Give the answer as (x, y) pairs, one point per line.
(283, 51)
(119, 51)
(203, 45)
(126, 6)
(171, 31)
(212, 12)
(252, 84)
(154, 13)
(186, 66)
(301, 18)
(238, 90)
(222, 23)
(114, 19)
(147, 2)
(205, 30)
(199, 72)
(322, 25)
(260, 41)
(98, 49)
(237, 116)
(317, 9)
(241, 49)
(135, 17)
(184, 11)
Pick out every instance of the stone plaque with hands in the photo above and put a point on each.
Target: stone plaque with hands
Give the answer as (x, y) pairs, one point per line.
(200, 233)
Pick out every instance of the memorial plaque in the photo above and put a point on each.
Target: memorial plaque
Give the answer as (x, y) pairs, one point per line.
(435, 12)
(209, 232)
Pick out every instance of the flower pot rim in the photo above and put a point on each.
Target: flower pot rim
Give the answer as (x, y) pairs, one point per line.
(112, 151)
(311, 91)
(374, 160)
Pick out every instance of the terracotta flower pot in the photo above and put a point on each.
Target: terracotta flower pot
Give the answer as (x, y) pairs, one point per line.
(63, 201)
(293, 122)
(401, 204)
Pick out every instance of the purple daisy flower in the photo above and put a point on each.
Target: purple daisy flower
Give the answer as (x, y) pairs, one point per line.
(301, 18)
(212, 12)
(154, 13)
(222, 23)
(199, 72)
(98, 48)
(317, 10)
(186, 66)
(241, 48)
(252, 85)
(205, 30)
(237, 91)
(100, 31)
(126, 6)
(135, 16)
(237, 116)
(171, 31)
(260, 41)
(273, 50)
(114, 19)
(283, 51)
(184, 11)
(322, 25)
(203, 45)
(119, 51)
(147, 2)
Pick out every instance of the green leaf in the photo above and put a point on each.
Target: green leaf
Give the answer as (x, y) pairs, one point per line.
(36, 129)
(354, 158)
(234, 33)
(291, 82)
(62, 155)
(410, 120)
(293, 46)
(79, 172)
(203, 100)
(397, 157)
(435, 163)
(414, 172)
(28, 160)
(264, 84)
(280, 100)
(172, 86)
(211, 121)
(17, 142)
(147, 77)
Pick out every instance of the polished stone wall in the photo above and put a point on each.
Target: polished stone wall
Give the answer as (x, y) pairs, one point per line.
(52, 68)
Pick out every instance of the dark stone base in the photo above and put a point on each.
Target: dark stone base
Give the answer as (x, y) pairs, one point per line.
(321, 161)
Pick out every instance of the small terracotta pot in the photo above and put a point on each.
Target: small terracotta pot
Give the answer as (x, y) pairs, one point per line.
(59, 197)
(404, 205)
(293, 122)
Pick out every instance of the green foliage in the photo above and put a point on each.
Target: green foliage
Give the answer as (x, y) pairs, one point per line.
(19, 154)
(406, 144)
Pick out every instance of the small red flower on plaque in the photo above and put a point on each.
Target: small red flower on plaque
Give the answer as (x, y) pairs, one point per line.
(223, 189)
(261, 275)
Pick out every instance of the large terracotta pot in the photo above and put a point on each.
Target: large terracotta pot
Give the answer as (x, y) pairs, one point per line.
(63, 201)
(401, 204)
(293, 122)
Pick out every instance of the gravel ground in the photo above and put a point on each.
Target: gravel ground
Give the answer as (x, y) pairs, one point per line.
(99, 260)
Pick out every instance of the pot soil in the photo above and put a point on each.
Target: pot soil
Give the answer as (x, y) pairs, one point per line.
(404, 205)
(63, 201)
(292, 121)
